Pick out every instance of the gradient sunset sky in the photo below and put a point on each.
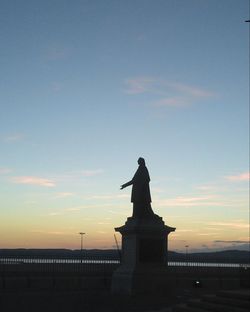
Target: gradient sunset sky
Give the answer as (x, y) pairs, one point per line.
(87, 87)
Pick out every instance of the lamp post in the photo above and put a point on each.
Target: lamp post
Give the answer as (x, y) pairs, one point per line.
(81, 233)
(187, 254)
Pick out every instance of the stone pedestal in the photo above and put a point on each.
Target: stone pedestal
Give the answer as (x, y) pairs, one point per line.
(143, 266)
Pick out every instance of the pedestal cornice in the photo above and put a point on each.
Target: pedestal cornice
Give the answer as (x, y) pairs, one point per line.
(135, 225)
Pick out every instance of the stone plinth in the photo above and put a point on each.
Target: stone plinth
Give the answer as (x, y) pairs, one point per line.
(143, 266)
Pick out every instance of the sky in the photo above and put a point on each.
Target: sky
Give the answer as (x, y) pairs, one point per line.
(87, 87)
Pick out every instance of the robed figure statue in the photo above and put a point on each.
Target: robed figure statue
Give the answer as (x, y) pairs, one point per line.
(140, 196)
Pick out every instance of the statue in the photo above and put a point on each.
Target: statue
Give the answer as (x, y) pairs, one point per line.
(140, 196)
(144, 256)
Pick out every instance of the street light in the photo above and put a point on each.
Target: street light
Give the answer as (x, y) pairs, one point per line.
(81, 233)
(186, 253)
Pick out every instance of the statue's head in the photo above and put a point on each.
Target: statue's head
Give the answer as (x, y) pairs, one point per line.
(141, 161)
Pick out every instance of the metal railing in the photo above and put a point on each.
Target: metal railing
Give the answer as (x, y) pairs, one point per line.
(101, 263)
(57, 264)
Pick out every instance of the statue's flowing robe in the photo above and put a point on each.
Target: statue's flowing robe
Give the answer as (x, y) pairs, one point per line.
(140, 189)
(140, 196)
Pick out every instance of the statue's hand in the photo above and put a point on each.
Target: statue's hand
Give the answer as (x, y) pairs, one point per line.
(122, 187)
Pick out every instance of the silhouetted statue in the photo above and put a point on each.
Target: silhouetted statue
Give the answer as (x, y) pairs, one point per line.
(140, 196)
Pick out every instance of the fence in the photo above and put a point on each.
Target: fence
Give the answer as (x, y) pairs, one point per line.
(36, 272)
(36, 264)
(104, 264)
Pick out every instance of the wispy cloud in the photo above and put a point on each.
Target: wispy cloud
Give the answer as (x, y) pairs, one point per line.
(77, 208)
(245, 176)
(167, 93)
(190, 90)
(205, 188)
(191, 201)
(33, 181)
(185, 230)
(91, 173)
(108, 197)
(235, 224)
(78, 175)
(53, 214)
(175, 101)
(232, 241)
(139, 85)
(66, 211)
(57, 52)
(64, 194)
(13, 137)
(208, 234)
(116, 212)
(5, 170)
(48, 232)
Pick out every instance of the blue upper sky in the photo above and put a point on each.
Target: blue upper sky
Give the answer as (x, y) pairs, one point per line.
(86, 87)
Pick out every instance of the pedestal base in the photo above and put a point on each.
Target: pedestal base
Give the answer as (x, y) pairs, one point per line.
(143, 266)
(147, 280)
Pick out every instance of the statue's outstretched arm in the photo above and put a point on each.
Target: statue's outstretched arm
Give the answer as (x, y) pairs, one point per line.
(126, 184)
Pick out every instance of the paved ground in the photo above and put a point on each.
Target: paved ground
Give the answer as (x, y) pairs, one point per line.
(80, 301)
(76, 301)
